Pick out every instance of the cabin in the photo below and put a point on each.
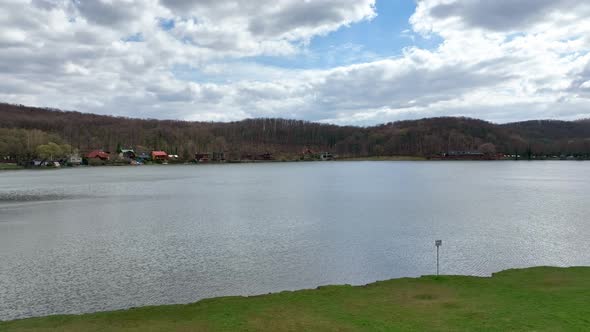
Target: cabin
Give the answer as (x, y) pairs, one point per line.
(8, 159)
(325, 156)
(159, 156)
(74, 159)
(44, 163)
(264, 156)
(98, 154)
(464, 155)
(218, 157)
(246, 156)
(202, 157)
(143, 157)
(127, 154)
(35, 163)
(307, 154)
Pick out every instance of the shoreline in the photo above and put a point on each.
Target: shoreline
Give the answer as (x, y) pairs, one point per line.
(351, 159)
(494, 302)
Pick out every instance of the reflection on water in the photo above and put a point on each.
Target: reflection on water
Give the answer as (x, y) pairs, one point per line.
(81, 240)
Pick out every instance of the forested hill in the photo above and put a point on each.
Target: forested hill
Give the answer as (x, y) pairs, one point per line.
(23, 129)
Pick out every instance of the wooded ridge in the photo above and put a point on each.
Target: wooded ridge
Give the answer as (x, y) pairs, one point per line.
(23, 129)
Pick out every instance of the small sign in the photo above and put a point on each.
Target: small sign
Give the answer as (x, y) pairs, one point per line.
(438, 243)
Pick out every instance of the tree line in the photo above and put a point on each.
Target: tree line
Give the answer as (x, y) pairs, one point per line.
(27, 132)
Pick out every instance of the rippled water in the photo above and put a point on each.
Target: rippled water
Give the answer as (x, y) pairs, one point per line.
(91, 239)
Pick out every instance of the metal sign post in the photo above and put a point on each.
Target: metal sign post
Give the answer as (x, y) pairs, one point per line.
(437, 243)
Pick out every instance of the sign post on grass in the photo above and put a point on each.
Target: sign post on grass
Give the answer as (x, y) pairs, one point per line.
(437, 243)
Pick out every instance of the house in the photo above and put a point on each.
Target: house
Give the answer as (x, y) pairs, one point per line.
(325, 156)
(98, 154)
(143, 157)
(7, 159)
(127, 154)
(35, 163)
(159, 156)
(465, 155)
(202, 157)
(218, 157)
(247, 156)
(74, 159)
(44, 163)
(308, 154)
(264, 156)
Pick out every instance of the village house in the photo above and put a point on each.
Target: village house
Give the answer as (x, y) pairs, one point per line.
(325, 156)
(202, 157)
(218, 157)
(159, 156)
(264, 156)
(8, 159)
(463, 155)
(143, 157)
(74, 159)
(43, 163)
(307, 154)
(127, 154)
(35, 163)
(205, 157)
(247, 156)
(98, 154)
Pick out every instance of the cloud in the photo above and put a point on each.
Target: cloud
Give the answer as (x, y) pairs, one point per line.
(498, 60)
(499, 16)
(262, 27)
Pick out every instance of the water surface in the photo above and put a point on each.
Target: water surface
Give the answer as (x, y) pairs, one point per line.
(93, 239)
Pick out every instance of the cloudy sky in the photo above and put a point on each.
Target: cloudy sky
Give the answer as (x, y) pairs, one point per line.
(357, 62)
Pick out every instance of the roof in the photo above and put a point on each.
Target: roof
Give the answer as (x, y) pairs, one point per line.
(127, 150)
(97, 154)
(159, 154)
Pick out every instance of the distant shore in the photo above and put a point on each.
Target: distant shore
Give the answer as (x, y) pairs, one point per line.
(539, 299)
(12, 167)
(383, 158)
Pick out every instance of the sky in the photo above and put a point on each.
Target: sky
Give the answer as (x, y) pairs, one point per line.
(348, 62)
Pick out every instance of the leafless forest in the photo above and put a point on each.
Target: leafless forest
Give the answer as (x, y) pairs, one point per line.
(23, 129)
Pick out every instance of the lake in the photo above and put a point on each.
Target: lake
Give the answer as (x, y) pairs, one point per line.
(93, 239)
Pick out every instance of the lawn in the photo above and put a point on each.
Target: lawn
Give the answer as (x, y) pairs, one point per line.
(536, 299)
(8, 166)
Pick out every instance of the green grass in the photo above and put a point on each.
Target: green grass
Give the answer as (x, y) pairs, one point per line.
(9, 167)
(536, 299)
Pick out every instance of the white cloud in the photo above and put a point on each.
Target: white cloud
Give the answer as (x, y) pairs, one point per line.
(499, 60)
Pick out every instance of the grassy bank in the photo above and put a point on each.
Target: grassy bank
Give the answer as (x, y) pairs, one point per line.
(536, 299)
(9, 167)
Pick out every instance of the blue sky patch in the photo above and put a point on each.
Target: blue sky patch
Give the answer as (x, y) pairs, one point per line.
(135, 38)
(385, 36)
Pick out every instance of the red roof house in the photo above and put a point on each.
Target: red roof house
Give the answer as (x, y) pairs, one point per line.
(159, 155)
(98, 154)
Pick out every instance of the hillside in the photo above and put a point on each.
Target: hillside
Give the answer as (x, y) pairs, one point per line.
(23, 129)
